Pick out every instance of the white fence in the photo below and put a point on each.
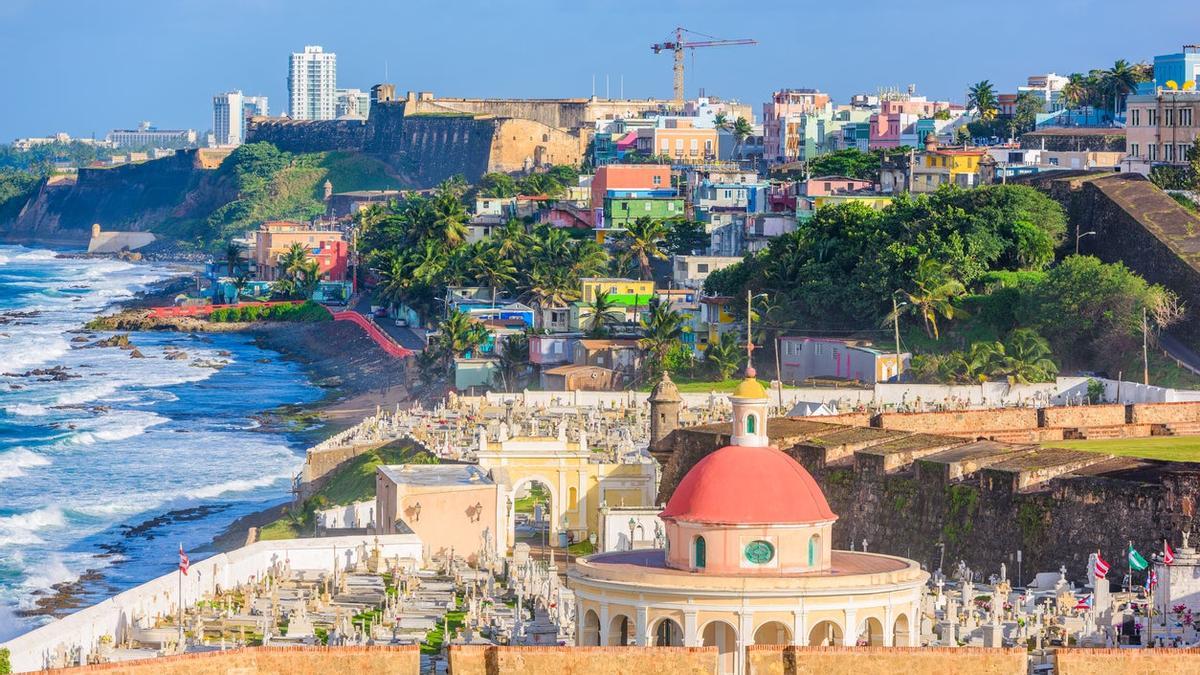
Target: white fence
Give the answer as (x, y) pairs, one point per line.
(115, 617)
(356, 515)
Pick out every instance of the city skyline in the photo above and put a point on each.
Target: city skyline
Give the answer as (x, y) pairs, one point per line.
(496, 53)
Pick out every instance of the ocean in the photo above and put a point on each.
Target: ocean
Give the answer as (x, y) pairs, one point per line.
(108, 466)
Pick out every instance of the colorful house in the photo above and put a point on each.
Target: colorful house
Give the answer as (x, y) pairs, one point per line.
(274, 238)
(803, 358)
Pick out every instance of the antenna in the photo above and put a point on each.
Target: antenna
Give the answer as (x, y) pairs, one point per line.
(593, 85)
(606, 86)
(385, 70)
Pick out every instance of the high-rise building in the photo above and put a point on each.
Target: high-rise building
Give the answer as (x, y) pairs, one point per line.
(230, 112)
(312, 84)
(149, 136)
(353, 103)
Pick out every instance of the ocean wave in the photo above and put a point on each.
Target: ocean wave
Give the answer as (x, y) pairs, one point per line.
(22, 528)
(14, 462)
(36, 254)
(233, 486)
(26, 409)
(86, 394)
(116, 426)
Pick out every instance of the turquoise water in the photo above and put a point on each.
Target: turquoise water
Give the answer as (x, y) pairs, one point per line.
(112, 469)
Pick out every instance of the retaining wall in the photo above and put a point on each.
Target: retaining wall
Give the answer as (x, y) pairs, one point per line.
(789, 660)
(386, 660)
(490, 660)
(1126, 661)
(962, 421)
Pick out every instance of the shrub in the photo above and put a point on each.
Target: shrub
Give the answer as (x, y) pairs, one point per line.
(306, 311)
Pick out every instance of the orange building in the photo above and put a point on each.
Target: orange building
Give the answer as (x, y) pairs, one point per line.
(634, 177)
(679, 140)
(275, 237)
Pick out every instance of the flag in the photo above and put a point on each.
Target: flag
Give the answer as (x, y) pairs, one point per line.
(1100, 568)
(1136, 561)
(183, 560)
(1152, 580)
(1085, 602)
(1168, 554)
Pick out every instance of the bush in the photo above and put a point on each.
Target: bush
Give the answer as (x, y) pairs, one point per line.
(5, 664)
(306, 311)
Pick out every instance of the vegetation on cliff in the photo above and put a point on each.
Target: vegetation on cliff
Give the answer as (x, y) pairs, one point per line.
(16, 186)
(305, 311)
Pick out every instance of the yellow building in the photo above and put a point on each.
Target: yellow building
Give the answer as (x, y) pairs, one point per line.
(578, 484)
(962, 167)
(620, 291)
(747, 560)
(877, 202)
(679, 140)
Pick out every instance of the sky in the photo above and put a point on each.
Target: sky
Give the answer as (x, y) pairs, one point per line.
(88, 66)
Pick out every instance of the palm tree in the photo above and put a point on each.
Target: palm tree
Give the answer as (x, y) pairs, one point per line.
(551, 287)
(599, 314)
(742, 129)
(449, 222)
(460, 334)
(1121, 79)
(1027, 358)
(393, 281)
(239, 285)
(982, 97)
(308, 277)
(292, 260)
(514, 362)
(493, 269)
(233, 257)
(934, 290)
(661, 328)
(1074, 92)
(512, 240)
(724, 356)
(721, 121)
(642, 238)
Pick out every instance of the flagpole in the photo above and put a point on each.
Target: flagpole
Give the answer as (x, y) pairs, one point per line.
(179, 573)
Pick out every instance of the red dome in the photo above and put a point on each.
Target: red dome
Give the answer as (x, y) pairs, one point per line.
(741, 485)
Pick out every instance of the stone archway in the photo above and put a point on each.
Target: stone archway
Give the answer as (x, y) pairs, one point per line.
(668, 633)
(825, 634)
(773, 633)
(525, 494)
(620, 631)
(724, 637)
(870, 633)
(589, 634)
(900, 631)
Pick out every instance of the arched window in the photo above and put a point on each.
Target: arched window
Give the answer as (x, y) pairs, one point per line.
(751, 424)
(699, 553)
(814, 552)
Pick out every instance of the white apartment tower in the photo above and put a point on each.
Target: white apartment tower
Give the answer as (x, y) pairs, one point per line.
(230, 112)
(312, 84)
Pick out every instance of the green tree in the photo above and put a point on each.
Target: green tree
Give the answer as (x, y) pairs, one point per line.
(1025, 113)
(292, 261)
(724, 356)
(644, 238)
(233, 257)
(721, 121)
(459, 335)
(493, 269)
(499, 185)
(1122, 79)
(661, 329)
(513, 356)
(933, 292)
(981, 98)
(685, 237)
(599, 314)
(450, 218)
(741, 130)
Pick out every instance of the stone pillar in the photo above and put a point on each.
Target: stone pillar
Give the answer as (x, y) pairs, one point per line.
(691, 635)
(850, 631)
(800, 628)
(889, 633)
(604, 624)
(745, 638)
(642, 638)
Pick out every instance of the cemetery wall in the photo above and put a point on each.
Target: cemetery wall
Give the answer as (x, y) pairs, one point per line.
(1126, 661)
(491, 660)
(1165, 413)
(386, 660)
(1083, 416)
(115, 616)
(791, 660)
(961, 421)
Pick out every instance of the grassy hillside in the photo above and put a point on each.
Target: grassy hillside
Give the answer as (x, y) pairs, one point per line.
(275, 185)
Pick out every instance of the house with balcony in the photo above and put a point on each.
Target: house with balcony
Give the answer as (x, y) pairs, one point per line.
(690, 271)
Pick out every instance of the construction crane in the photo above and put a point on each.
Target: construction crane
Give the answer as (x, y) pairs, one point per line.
(678, 45)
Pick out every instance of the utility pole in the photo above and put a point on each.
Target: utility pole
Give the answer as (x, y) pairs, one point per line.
(896, 329)
(1145, 350)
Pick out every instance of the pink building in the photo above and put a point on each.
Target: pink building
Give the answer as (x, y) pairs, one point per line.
(785, 107)
(898, 117)
(824, 186)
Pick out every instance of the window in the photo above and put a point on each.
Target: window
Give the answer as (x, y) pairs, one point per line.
(699, 557)
(648, 206)
(679, 144)
(751, 424)
(701, 268)
(1151, 117)
(1134, 150)
(695, 145)
(1168, 152)
(1135, 117)
(671, 206)
(1153, 150)
(814, 553)
(1185, 117)
(1170, 117)
(657, 180)
(1182, 152)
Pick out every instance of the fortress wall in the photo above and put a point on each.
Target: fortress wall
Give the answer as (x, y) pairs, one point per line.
(490, 660)
(521, 144)
(790, 660)
(1165, 413)
(1084, 416)
(428, 150)
(962, 421)
(307, 135)
(386, 660)
(1125, 661)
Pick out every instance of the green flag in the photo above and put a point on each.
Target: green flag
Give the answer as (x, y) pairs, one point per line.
(1136, 561)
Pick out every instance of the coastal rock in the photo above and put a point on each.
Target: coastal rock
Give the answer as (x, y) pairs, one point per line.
(79, 338)
(136, 354)
(175, 355)
(262, 360)
(118, 340)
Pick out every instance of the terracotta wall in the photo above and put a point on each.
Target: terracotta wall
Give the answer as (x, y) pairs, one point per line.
(273, 661)
(781, 660)
(1085, 416)
(1126, 661)
(1165, 413)
(962, 421)
(486, 660)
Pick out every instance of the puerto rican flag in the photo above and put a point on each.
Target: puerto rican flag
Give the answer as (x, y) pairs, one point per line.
(1152, 580)
(1100, 567)
(183, 560)
(1085, 602)
(1168, 554)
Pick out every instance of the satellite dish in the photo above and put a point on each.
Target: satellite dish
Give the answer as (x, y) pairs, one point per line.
(1172, 85)
(1189, 85)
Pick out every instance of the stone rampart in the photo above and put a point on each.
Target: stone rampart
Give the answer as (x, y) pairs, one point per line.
(961, 421)
(1164, 413)
(1082, 416)
(386, 660)
(1126, 661)
(790, 660)
(491, 660)
(308, 135)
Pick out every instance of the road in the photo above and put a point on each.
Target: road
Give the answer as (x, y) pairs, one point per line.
(401, 334)
(1174, 347)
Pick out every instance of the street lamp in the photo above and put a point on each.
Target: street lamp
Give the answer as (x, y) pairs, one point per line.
(632, 527)
(896, 329)
(1080, 235)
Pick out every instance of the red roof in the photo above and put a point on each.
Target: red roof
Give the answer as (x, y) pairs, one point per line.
(741, 485)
